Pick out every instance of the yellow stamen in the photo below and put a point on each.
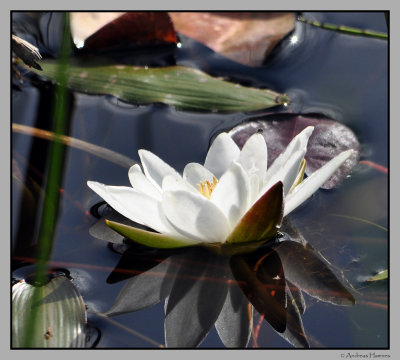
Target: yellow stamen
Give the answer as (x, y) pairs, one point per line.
(206, 188)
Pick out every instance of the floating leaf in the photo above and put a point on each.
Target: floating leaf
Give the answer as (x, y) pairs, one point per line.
(245, 37)
(179, 86)
(61, 316)
(381, 275)
(328, 139)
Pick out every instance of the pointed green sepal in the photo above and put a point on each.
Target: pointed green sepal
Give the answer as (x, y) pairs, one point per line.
(262, 220)
(148, 238)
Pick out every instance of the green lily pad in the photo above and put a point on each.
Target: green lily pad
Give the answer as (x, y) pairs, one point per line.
(183, 87)
(148, 238)
(262, 220)
(61, 315)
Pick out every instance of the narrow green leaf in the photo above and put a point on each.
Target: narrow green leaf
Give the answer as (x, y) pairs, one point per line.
(262, 220)
(148, 238)
(381, 275)
(61, 316)
(183, 87)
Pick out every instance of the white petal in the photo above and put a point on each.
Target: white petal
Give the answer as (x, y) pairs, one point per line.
(172, 183)
(255, 189)
(299, 142)
(312, 183)
(287, 172)
(231, 194)
(141, 183)
(195, 173)
(155, 168)
(134, 205)
(223, 151)
(254, 159)
(195, 216)
(253, 156)
(102, 191)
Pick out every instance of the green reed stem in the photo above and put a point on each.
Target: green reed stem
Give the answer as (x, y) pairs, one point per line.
(345, 29)
(54, 171)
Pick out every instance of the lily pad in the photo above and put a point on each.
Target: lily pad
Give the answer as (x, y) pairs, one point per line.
(183, 87)
(61, 319)
(328, 139)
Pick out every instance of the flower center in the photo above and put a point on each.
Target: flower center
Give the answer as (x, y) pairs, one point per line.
(206, 188)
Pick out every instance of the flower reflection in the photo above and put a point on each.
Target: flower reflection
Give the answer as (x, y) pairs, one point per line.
(232, 199)
(202, 289)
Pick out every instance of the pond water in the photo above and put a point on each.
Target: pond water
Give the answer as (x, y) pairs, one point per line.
(340, 76)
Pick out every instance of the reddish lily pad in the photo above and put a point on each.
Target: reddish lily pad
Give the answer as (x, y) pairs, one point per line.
(328, 139)
(262, 220)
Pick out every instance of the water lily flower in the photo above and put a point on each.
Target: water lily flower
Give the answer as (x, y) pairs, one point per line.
(232, 198)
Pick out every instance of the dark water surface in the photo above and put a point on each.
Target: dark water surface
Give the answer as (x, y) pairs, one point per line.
(340, 76)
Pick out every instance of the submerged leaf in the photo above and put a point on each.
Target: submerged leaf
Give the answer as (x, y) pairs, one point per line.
(328, 139)
(179, 86)
(294, 332)
(265, 292)
(308, 272)
(61, 319)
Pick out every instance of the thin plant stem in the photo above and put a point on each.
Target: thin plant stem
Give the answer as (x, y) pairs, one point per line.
(54, 170)
(345, 29)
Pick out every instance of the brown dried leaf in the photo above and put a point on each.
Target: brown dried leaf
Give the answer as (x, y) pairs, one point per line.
(245, 37)
(132, 28)
(84, 24)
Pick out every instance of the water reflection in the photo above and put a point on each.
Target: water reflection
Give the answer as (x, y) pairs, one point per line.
(202, 289)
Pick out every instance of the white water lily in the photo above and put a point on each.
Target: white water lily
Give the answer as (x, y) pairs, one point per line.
(233, 198)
